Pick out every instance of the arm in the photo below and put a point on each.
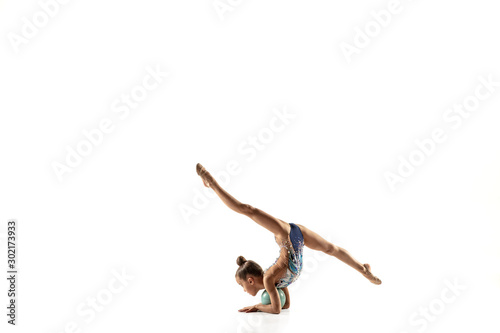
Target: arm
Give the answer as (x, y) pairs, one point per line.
(275, 306)
(287, 294)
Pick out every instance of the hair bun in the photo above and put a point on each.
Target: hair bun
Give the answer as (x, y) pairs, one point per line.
(241, 260)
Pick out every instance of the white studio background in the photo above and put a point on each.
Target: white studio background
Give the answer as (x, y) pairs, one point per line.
(309, 133)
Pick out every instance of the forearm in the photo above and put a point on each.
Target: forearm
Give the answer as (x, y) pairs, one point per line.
(265, 308)
(287, 301)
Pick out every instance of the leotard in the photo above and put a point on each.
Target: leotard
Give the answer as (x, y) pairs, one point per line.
(294, 257)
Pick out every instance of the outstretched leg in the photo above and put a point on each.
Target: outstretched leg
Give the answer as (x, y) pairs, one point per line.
(314, 241)
(277, 227)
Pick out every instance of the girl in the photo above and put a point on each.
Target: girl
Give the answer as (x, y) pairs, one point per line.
(291, 239)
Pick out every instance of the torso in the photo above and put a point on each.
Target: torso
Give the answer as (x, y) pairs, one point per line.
(280, 267)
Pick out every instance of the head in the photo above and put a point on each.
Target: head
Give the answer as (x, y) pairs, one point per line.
(249, 275)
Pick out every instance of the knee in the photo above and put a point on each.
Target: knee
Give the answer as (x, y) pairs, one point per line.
(247, 209)
(332, 249)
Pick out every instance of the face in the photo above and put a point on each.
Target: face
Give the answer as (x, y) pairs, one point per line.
(248, 285)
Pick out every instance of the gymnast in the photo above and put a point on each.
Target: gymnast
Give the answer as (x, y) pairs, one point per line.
(291, 239)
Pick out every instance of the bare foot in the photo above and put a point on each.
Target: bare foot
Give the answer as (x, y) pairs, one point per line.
(204, 174)
(368, 274)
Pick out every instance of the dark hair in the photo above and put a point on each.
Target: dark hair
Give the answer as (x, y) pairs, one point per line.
(247, 267)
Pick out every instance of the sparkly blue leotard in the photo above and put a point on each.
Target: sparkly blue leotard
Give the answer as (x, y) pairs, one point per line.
(294, 257)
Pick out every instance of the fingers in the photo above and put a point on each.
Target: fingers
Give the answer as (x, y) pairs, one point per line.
(247, 309)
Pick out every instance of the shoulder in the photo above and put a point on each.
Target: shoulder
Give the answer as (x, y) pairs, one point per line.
(275, 272)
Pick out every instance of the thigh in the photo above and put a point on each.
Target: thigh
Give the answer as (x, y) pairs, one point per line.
(314, 241)
(279, 228)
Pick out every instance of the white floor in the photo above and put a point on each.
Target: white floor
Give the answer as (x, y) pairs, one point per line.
(402, 304)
